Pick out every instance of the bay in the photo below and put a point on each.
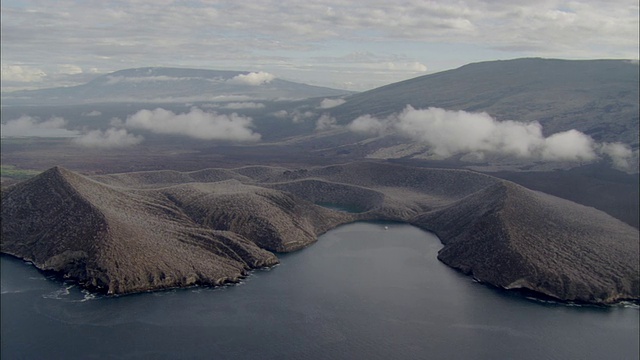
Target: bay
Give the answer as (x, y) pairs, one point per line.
(363, 291)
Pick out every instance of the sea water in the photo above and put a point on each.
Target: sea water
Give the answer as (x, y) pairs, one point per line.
(363, 291)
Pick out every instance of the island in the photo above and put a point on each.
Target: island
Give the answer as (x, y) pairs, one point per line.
(143, 231)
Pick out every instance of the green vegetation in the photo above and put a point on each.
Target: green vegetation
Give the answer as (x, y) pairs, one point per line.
(11, 171)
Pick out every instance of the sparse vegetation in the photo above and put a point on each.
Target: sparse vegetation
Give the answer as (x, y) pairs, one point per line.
(139, 231)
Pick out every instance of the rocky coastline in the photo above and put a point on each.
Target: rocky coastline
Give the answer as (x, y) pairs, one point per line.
(133, 232)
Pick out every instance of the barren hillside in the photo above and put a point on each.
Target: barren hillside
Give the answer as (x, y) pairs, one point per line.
(149, 230)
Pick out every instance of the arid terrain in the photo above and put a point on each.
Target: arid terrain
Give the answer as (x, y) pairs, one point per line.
(139, 231)
(526, 169)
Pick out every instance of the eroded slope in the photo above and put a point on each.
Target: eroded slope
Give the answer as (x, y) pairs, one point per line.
(142, 231)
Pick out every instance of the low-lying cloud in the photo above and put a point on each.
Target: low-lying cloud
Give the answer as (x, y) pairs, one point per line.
(449, 133)
(21, 73)
(196, 123)
(116, 79)
(620, 154)
(325, 122)
(252, 79)
(92, 113)
(110, 138)
(243, 105)
(28, 126)
(296, 116)
(331, 103)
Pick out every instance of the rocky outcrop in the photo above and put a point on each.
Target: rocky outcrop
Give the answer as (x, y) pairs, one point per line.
(512, 237)
(124, 240)
(142, 231)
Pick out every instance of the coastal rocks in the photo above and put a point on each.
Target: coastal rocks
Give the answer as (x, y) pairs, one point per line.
(116, 240)
(513, 238)
(124, 233)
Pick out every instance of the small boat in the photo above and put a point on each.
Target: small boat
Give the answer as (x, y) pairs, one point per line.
(386, 228)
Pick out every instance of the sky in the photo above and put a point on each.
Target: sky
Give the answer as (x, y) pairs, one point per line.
(346, 44)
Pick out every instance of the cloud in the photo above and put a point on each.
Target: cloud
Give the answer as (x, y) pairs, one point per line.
(196, 123)
(92, 113)
(20, 73)
(331, 103)
(410, 66)
(296, 116)
(27, 126)
(368, 124)
(299, 116)
(449, 133)
(325, 122)
(110, 138)
(281, 34)
(116, 122)
(366, 69)
(252, 79)
(69, 69)
(243, 105)
(620, 154)
(569, 145)
(116, 79)
(282, 114)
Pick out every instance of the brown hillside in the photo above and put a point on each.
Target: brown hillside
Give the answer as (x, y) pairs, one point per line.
(143, 231)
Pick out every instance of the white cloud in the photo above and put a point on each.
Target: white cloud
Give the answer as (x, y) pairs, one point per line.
(411, 66)
(620, 154)
(569, 145)
(27, 126)
(69, 69)
(449, 133)
(279, 35)
(92, 113)
(116, 122)
(20, 73)
(116, 79)
(296, 116)
(325, 122)
(111, 138)
(331, 103)
(282, 114)
(368, 124)
(300, 116)
(252, 79)
(196, 124)
(243, 105)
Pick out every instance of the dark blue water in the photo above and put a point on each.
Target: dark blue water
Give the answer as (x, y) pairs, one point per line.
(361, 292)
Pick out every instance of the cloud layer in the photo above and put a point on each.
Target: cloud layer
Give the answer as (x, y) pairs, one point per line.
(28, 126)
(449, 133)
(331, 103)
(110, 138)
(243, 105)
(252, 79)
(196, 123)
(329, 41)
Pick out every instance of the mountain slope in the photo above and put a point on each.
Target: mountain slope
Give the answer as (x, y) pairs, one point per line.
(124, 240)
(597, 97)
(211, 226)
(169, 85)
(512, 237)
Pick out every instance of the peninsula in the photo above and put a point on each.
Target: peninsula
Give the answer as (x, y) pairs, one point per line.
(141, 231)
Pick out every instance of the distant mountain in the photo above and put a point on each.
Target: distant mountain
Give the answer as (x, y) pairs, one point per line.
(142, 231)
(597, 97)
(158, 85)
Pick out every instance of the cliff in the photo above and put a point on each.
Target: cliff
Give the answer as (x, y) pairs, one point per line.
(141, 231)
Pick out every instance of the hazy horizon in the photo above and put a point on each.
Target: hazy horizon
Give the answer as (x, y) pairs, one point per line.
(342, 45)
